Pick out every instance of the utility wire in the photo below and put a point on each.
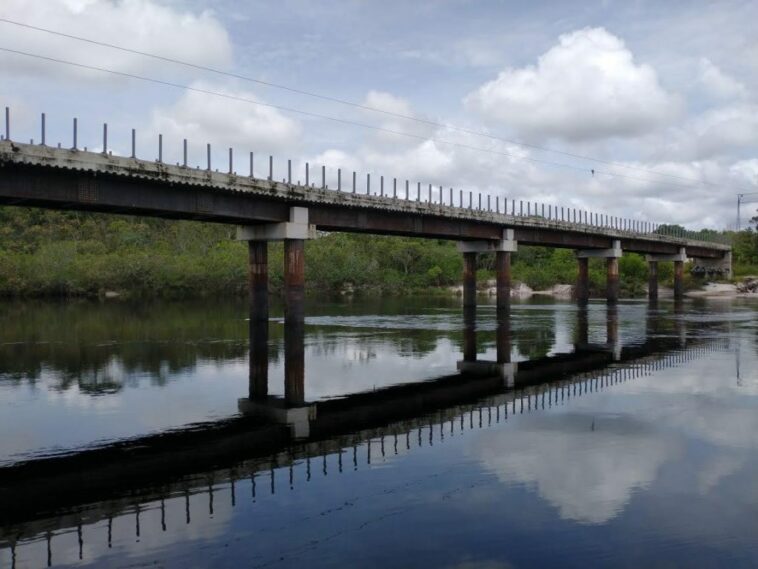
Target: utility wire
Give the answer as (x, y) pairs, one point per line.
(335, 119)
(356, 105)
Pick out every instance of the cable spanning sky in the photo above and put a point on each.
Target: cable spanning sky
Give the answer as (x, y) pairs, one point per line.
(645, 111)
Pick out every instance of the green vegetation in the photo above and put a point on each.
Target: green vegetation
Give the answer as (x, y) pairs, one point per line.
(50, 253)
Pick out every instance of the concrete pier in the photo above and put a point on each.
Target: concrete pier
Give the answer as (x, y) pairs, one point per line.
(294, 321)
(583, 281)
(258, 378)
(679, 279)
(469, 333)
(503, 336)
(611, 256)
(469, 279)
(652, 281)
(258, 279)
(612, 285)
(678, 260)
(503, 275)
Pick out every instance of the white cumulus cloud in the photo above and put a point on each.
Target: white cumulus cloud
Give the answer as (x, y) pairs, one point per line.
(586, 87)
(142, 25)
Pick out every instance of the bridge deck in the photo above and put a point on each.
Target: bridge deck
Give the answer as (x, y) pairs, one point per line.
(56, 178)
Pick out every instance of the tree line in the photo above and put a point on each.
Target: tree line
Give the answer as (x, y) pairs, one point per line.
(55, 253)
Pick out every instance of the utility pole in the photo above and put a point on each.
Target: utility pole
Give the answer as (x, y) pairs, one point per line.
(740, 199)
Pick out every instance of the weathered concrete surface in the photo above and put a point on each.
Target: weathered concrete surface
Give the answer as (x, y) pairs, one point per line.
(70, 179)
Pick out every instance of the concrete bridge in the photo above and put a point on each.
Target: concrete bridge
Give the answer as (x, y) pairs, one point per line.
(269, 449)
(266, 209)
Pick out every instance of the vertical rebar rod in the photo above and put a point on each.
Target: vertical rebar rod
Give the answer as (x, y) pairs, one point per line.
(418, 192)
(289, 171)
(184, 152)
(251, 165)
(381, 186)
(394, 188)
(160, 148)
(76, 132)
(231, 161)
(323, 177)
(7, 123)
(134, 143)
(208, 154)
(43, 129)
(354, 183)
(105, 138)
(307, 174)
(368, 184)
(270, 167)
(339, 179)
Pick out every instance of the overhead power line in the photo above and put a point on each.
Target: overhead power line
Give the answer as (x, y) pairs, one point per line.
(360, 106)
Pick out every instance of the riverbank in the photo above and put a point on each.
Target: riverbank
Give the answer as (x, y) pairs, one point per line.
(50, 254)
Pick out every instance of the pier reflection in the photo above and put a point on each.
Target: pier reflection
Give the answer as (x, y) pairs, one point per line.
(284, 440)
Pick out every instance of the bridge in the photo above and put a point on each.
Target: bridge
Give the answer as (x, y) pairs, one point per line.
(120, 484)
(267, 209)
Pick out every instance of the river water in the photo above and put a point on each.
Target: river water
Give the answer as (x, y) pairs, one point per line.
(555, 437)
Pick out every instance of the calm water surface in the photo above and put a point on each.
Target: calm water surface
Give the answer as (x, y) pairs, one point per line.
(603, 438)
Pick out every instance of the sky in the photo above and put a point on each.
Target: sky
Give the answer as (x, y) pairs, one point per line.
(521, 100)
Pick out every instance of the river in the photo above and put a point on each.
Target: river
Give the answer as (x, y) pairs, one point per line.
(551, 437)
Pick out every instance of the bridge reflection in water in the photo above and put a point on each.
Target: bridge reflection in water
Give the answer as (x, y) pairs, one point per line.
(285, 441)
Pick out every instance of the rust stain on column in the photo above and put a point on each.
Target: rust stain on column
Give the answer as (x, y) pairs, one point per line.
(583, 282)
(469, 279)
(652, 280)
(294, 325)
(503, 272)
(612, 280)
(258, 328)
(678, 279)
(258, 279)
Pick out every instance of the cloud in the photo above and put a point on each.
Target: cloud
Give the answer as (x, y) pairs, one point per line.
(142, 25)
(203, 118)
(719, 84)
(587, 87)
(582, 471)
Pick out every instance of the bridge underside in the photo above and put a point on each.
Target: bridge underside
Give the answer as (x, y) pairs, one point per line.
(68, 189)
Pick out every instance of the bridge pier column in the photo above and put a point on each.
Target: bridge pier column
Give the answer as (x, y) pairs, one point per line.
(503, 336)
(583, 281)
(258, 328)
(294, 233)
(612, 280)
(611, 257)
(652, 281)
(678, 280)
(502, 249)
(503, 275)
(469, 333)
(294, 321)
(469, 279)
(678, 259)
